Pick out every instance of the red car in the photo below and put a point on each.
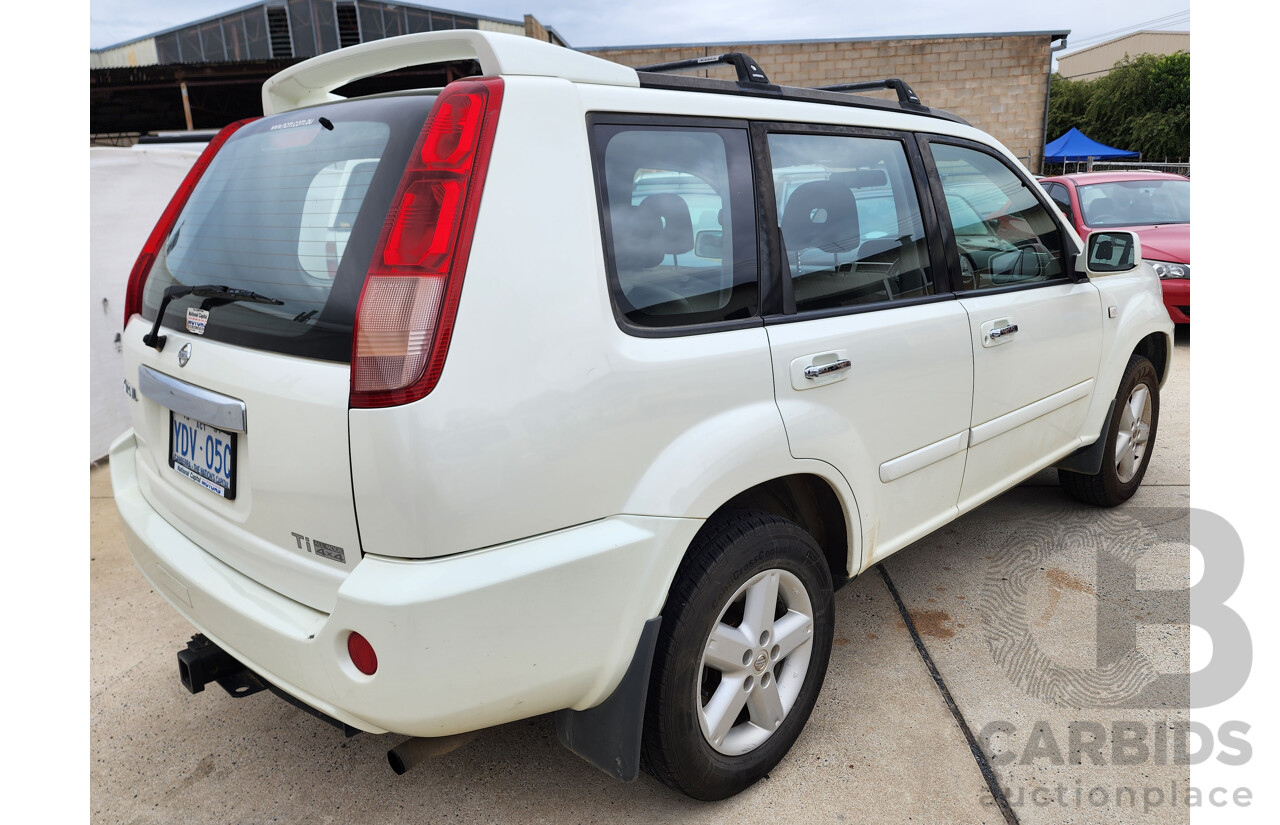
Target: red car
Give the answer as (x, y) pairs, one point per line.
(1155, 205)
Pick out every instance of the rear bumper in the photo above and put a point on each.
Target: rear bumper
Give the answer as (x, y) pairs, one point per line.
(463, 642)
(1177, 299)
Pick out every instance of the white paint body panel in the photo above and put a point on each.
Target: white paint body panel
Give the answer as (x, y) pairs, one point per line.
(469, 646)
(1022, 417)
(547, 414)
(290, 478)
(908, 388)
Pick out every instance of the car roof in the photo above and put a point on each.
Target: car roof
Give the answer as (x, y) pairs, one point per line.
(1083, 178)
(314, 80)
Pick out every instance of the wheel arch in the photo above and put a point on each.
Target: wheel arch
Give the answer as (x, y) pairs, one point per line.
(1156, 348)
(813, 503)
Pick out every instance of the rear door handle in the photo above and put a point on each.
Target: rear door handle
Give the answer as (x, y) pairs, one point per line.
(818, 369)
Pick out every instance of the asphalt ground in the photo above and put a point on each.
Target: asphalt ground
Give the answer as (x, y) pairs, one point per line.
(1023, 664)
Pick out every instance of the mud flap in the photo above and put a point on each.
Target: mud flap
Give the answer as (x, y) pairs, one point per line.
(1088, 460)
(608, 735)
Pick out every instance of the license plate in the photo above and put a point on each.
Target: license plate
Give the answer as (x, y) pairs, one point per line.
(203, 453)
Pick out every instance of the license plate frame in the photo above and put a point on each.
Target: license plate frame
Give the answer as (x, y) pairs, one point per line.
(192, 462)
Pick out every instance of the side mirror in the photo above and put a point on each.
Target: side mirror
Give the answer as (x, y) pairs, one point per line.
(1110, 251)
(1018, 265)
(709, 243)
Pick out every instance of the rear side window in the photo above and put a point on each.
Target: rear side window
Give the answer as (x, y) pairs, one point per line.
(1004, 235)
(850, 220)
(290, 208)
(679, 223)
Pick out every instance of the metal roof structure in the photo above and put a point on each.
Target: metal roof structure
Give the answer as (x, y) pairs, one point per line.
(280, 29)
(210, 71)
(443, 13)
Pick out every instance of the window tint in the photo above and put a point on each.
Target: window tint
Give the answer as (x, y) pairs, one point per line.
(1004, 234)
(850, 220)
(679, 216)
(276, 213)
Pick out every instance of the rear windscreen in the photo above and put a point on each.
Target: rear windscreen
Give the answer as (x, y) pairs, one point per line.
(290, 209)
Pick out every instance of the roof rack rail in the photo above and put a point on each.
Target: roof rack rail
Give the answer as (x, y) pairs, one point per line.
(905, 94)
(748, 69)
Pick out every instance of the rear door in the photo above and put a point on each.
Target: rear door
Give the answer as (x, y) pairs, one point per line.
(1035, 332)
(241, 415)
(871, 353)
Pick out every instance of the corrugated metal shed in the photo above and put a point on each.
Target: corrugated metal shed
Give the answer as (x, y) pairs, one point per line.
(285, 29)
(1095, 61)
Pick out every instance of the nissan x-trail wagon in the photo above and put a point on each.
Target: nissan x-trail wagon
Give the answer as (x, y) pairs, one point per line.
(570, 388)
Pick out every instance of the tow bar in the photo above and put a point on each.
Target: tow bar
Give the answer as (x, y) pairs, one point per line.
(204, 662)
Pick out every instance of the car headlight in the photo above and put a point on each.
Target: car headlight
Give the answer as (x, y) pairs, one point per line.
(1167, 270)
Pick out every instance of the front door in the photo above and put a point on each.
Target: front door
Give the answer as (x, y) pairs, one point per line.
(1035, 333)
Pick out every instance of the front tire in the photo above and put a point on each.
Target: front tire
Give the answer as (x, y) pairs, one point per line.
(1130, 438)
(744, 645)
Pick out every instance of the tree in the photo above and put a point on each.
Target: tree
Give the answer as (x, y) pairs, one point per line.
(1143, 104)
(1068, 100)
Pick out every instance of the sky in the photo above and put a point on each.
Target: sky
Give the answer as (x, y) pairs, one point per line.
(638, 22)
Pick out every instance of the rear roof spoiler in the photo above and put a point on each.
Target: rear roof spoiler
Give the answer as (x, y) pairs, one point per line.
(313, 81)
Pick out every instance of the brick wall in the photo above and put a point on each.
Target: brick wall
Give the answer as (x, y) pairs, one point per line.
(996, 82)
(535, 29)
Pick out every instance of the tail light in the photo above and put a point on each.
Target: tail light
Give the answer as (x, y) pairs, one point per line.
(410, 297)
(142, 267)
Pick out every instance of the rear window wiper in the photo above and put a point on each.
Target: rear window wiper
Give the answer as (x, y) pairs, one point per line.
(214, 295)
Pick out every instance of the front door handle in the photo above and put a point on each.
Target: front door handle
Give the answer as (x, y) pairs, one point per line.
(998, 331)
(824, 369)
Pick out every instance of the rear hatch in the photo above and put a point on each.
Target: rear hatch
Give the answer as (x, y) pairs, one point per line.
(242, 416)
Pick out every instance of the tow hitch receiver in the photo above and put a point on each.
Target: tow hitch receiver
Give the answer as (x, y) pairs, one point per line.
(204, 662)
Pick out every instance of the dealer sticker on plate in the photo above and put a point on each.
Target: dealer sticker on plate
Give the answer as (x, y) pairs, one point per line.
(203, 453)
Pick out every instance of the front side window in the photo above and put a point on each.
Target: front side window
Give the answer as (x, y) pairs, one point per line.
(1004, 235)
(678, 211)
(849, 219)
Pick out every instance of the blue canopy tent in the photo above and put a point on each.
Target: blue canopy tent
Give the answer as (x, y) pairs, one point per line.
(1075, 146)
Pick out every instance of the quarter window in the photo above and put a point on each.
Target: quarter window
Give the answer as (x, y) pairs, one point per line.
(849, 219)
(678, 208)
(1004, 235)
(1058, 194)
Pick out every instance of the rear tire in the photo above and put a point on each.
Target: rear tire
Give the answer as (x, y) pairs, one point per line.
(1130, 438)
(741, 655)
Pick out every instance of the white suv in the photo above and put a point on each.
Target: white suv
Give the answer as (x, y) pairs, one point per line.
(579, 389)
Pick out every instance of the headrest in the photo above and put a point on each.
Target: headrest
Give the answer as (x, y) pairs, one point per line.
(820, 214)
(635, 237)
(676, 236)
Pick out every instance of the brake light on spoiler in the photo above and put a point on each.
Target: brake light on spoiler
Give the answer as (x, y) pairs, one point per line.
(410, 298)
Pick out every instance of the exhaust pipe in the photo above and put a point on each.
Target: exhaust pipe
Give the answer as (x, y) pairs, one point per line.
(420, 748)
